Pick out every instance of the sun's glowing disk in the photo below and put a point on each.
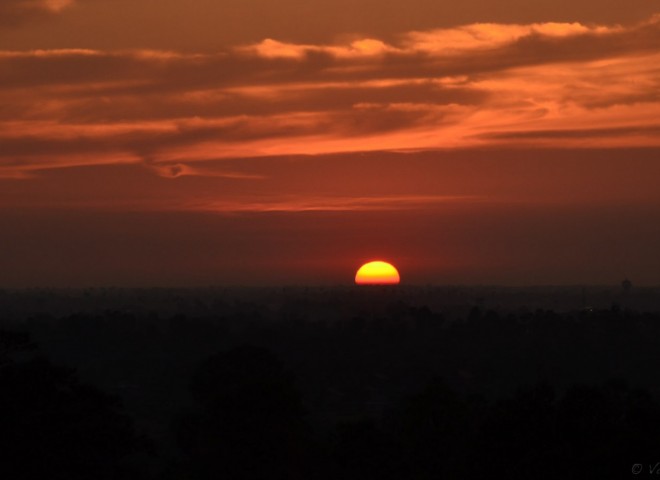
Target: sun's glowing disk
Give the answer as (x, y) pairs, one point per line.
(377, 273)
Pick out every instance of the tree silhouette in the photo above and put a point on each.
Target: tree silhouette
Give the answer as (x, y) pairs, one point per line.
(249, 421)
(56, 427)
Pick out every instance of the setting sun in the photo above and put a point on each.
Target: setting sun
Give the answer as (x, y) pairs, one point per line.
(377, 273)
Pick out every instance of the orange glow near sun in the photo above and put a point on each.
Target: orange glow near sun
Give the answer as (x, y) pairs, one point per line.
(377, 273)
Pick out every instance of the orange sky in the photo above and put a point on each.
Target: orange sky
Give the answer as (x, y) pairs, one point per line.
(219, 142)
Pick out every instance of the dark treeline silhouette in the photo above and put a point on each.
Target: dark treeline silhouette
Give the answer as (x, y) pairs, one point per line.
(54, 426)
(383, 388)
(590, 432)
(249, 421)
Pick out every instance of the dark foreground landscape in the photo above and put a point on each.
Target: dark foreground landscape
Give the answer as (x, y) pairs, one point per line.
(330, 383)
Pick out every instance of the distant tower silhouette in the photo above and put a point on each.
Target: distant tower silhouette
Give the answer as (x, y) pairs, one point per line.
(626, 285)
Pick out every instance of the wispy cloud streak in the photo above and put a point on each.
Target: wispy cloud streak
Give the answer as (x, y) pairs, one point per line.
(13, 12)
(332, 204)
(472, 86)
